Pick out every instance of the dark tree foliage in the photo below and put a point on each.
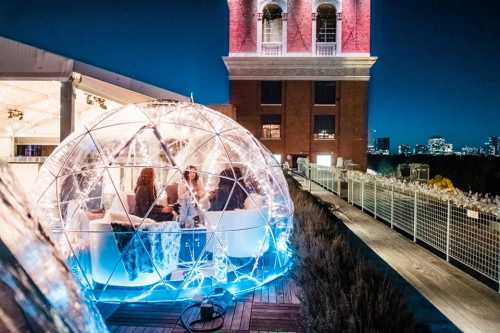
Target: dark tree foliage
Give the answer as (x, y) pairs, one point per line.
(340, 291)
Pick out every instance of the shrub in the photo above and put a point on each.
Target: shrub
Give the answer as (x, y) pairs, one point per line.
(340, 292)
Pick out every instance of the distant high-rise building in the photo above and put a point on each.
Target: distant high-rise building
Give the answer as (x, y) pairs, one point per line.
(420, 149)
(493, 146)
(437, 146)
(383, 146)
(467, 150)
(404, 149)
(448, 148)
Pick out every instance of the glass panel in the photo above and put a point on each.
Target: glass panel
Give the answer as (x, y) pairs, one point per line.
(270, 92)
(325, 92)
(324, 127)
(326, 24)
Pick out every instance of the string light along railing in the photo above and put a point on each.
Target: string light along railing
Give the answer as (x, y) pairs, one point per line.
(463, 227)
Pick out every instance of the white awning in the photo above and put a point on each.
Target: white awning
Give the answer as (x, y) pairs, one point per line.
(19, 61)
(30, 83)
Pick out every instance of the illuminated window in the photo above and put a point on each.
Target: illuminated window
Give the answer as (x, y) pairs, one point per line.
(324, 127)
(271, 126)
(272, 24)
(270, 92)
(325, 92)
(326, 26)
(324, 160)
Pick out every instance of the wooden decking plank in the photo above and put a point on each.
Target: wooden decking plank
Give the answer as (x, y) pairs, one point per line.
(238, 313)
(266, 309)
(245, 319)
(228, 318)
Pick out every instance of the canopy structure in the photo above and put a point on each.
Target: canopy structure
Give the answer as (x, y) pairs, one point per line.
(45, 96)
(33, 103)
(161, 201)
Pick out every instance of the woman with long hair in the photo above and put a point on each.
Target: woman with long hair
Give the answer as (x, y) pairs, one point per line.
(192, 183)
(145, 197)
(190, 191)
(229, 194)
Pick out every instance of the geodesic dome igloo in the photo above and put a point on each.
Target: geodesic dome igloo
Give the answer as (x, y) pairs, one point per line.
(165, 200)
(39, 293)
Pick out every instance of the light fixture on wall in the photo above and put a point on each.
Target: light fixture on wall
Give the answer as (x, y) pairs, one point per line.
(14, 113)
(93, 100)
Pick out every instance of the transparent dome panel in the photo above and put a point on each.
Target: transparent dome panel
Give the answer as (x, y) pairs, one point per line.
(163, 201)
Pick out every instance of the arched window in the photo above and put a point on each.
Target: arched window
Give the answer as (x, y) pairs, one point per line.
(272, 30)
(326, 30)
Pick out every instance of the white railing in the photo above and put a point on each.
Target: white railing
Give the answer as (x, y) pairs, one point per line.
(464, 232)
(324, 49)
(271, 49)
(27, 159)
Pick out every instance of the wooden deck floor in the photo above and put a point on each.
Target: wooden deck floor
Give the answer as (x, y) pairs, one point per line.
(470, 305)
(272, 308)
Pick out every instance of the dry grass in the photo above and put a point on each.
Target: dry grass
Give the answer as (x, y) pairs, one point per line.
(340, 291)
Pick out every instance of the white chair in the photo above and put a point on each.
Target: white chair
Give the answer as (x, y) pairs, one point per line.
(242, 232)
(105, 255)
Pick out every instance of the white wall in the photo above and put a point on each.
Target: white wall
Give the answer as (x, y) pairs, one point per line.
(26, 174)
(6, 147)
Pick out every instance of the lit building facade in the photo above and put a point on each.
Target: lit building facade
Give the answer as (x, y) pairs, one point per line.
(493, 146)
(404, 149)
(437, 146)
(383, 146)
(299, 73)
(420, 149)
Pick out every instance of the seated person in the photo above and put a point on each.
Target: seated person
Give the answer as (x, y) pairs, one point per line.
(145, 197)
(220, 197)
(192, 184)
(191, 195)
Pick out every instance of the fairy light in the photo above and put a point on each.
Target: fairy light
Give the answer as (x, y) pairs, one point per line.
(249, 246)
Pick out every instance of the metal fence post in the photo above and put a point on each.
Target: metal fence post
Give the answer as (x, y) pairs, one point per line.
(309, 168)
(448, 216)
(339, 189)
(392, 206)
(331, 180)
(352, 192)
(348, 193)
(375, 198)
(415, 218)
(349, 190)
(350, 185)
(362, 195)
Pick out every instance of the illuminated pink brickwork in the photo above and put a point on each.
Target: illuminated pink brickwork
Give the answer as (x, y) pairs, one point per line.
(242, 25)
(299, 26)
(356, 26)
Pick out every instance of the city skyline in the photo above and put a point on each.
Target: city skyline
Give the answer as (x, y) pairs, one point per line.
(432, 77)
(390, 147)
(423, 140)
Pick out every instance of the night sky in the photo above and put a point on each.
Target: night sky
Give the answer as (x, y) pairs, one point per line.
(438, 70)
